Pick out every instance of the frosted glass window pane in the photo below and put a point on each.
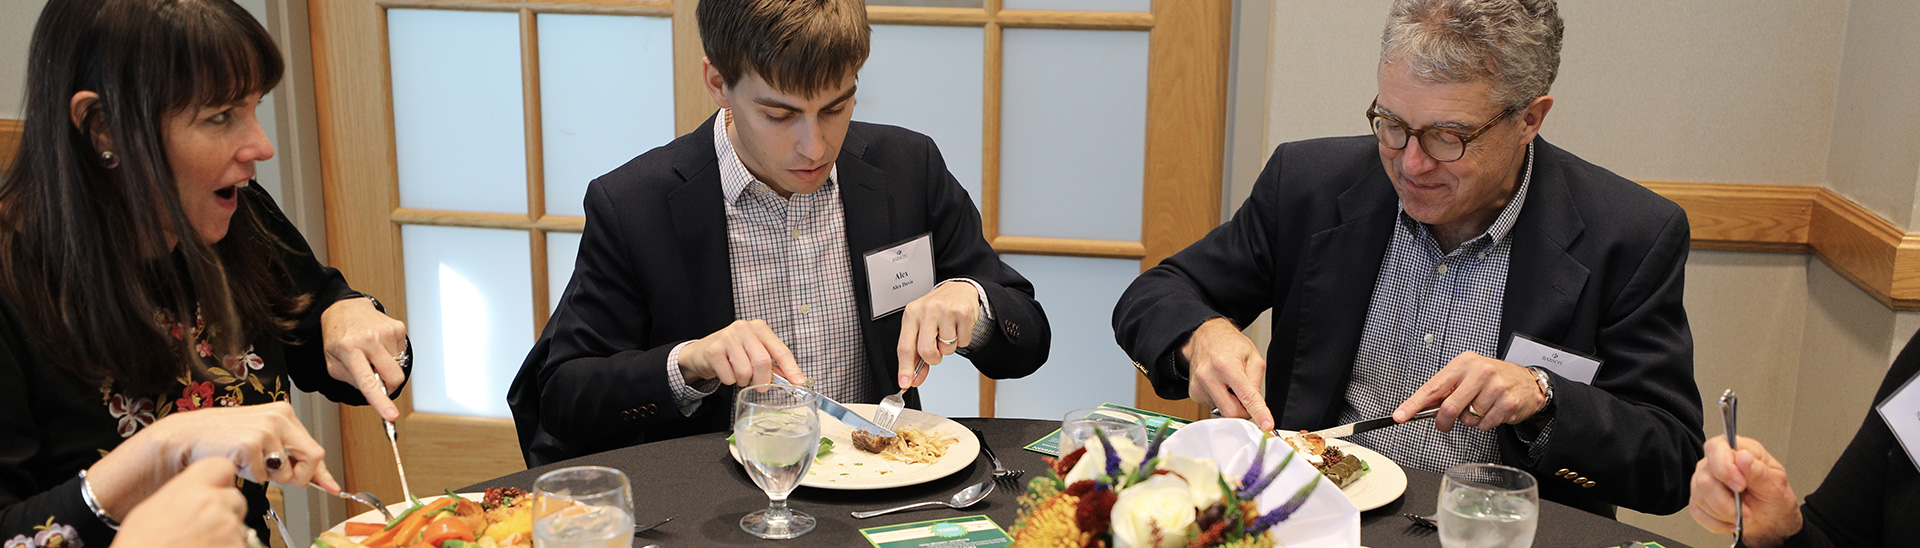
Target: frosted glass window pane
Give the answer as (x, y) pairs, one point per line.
(606, 95)
(467, 296)
(952, 388)
(563, 249)
(1073, 133)
(929, 4)
(458, 127)
(929, 79)
(1079, 294)
(1078, 5)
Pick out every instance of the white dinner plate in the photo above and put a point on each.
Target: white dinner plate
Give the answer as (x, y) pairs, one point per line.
(371, 516)
(847, 467)
(1384, 484)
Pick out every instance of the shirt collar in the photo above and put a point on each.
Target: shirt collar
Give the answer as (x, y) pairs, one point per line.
(734, 176)
(1508, 215)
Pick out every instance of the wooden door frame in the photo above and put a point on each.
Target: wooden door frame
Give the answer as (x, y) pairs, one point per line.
(1188, 54)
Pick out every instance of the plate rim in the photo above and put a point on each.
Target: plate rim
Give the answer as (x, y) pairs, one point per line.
(866, 410)
(1378, 463)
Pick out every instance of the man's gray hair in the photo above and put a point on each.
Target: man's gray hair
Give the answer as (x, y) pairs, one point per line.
(1515, 44)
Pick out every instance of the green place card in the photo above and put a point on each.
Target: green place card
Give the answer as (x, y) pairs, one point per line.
(1050, 444)
(960, 532)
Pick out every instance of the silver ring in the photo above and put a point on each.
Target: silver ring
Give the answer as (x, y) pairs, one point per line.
(945, 341)
(402, 359)
(275, 460)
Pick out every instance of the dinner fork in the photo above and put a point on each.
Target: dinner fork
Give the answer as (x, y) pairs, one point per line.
(999, 471)
(368, 499)
(1730, 410)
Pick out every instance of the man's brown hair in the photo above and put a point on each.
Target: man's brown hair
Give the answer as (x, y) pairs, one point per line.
(797, 46)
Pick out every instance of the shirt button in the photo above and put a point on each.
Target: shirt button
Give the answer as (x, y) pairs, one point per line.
(1482, 255)
(1429, 338)
(1442, 270)
(794, 232)
(805, 308)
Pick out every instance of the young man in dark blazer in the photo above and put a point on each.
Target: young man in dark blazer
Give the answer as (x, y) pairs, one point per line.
(743, 250)
(1455, 261)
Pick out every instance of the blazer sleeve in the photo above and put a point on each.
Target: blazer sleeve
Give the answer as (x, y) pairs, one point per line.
(306, 357)
(1021, 337)
(1636, 430)
(1228, 273)
(1874, 480)
(602, 378)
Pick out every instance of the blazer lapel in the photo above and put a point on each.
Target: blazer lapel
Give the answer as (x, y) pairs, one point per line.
(700, 229)
(1543, 281)
(1337, 275)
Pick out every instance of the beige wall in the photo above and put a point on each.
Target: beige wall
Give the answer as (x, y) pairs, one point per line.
(1694, 90)
(16, 29)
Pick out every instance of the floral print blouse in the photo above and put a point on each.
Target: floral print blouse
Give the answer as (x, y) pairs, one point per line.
(52, 425)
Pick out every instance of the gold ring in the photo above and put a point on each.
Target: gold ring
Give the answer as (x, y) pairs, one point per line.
(1475, 412)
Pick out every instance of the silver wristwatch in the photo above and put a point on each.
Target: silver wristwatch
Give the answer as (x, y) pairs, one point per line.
(1546, 387)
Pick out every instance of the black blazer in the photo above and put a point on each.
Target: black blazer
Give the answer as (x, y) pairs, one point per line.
(1598, 263)
(1864, 500)
(653, 272)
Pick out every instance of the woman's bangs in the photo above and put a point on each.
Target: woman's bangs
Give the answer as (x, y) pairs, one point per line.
(223, 55)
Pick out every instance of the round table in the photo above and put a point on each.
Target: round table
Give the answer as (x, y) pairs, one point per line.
(694, 479)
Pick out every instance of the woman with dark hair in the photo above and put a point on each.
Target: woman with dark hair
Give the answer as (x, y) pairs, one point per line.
(142, 276)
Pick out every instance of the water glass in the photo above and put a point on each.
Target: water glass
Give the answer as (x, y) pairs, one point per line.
(1078, 427)
(776, 429)
(1488, 506)
(583, 507)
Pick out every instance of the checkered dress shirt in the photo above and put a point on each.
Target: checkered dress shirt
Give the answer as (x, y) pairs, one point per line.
(791, 269)
(1428, 307)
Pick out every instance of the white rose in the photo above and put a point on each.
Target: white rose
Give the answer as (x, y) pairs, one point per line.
(1202, 475)
(1160, 503)
(1094, 463)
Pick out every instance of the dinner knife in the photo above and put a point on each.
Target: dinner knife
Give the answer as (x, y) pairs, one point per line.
(844, 415)
(1352, 428)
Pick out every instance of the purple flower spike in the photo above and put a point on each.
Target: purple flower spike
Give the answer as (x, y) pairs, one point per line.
(1251, 491)
(1285, 510)
(1153, 449)
(1253, 470)
(1113, 456)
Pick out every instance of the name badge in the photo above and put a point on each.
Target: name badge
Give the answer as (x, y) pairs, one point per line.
(897, 275)
(1527, 351)
(1902, 413)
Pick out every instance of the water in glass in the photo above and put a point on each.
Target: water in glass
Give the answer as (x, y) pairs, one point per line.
(583, 507)
(1487, 506)
(776, 429)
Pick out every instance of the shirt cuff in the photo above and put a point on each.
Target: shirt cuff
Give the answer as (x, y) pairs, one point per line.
(685, 396)
(982, 326)
(1537, 447)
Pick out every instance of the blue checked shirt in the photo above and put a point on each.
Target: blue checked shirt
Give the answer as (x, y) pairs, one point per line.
(1428, 307)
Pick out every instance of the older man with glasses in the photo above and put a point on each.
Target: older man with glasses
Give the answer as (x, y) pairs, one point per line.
(1456, 261)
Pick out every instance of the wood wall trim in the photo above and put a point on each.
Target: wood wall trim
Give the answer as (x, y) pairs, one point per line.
(9, 141)
(608, 7)
(1869, 250)
(1063, 246)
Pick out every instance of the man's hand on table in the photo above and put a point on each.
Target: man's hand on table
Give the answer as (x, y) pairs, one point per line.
(744, 353)
(1498, 392)
(1772, 511)
(1225, 371)
(935, 325)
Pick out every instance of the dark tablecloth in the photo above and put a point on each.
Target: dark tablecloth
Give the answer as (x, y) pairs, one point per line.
(695, 479)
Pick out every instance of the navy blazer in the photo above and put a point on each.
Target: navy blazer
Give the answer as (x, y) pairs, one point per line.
(653, 272)
(1598, 266)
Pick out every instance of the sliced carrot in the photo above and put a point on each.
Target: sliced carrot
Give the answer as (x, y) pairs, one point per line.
(357, 529)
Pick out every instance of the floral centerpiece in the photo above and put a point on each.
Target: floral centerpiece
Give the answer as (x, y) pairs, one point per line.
(1133, 497)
